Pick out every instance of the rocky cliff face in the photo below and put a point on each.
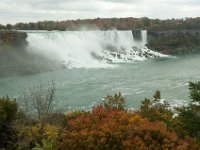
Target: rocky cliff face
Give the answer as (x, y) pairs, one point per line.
(165, 41)
(174, 41)
(15, 57)
(12, 41)
(12, 51)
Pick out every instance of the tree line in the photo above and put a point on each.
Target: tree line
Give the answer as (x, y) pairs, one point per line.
(109, 23)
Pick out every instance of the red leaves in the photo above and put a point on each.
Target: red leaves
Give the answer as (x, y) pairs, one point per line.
(113, 128)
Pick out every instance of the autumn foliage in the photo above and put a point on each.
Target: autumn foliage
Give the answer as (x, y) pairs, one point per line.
(110, 23)
(107, 126)
(112, 128)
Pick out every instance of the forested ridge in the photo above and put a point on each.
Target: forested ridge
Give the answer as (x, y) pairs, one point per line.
(109, 23)
(170, 36)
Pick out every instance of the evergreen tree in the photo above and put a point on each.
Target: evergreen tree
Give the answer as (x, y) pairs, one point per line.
(189, 116)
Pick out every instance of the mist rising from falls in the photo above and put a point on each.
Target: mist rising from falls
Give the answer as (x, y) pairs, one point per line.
(90, 49)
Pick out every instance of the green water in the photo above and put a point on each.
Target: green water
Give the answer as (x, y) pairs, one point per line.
(80, 88)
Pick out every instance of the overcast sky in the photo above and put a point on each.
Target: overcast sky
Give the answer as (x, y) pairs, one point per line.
(12, 11)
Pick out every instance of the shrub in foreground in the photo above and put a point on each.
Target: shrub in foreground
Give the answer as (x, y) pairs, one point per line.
(8, 112)
(189, 116)
(107, 126)
(118, 129)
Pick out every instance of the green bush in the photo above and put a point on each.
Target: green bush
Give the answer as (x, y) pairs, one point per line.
(189, 116)
(115, 101)
(155, 110)
(8, 111)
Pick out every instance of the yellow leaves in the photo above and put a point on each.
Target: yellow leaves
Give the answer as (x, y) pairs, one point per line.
(51, 131)
(28, 132)
(35, 129)
(135, 119)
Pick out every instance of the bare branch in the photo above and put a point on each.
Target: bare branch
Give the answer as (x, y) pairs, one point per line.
(38, 98)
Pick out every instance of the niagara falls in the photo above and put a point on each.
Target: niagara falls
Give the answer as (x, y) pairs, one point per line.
(101, 61)
(99, 75)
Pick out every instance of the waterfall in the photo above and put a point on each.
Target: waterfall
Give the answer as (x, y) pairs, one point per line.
(144, 37)
(89, 49)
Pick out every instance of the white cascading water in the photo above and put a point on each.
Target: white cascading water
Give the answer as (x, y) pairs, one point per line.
(144, 37)
(90, 49)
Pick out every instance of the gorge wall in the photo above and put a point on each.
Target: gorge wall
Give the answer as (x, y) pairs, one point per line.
(12, 40)
(164, 41)
(15, 57)
(12, 44)
(12, 51)
(174, 41)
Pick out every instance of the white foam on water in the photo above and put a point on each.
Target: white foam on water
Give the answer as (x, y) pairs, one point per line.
(90, 49)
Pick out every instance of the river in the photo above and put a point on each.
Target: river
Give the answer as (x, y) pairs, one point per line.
(84, 87)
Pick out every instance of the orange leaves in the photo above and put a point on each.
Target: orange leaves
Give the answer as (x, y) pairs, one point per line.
(112, 128)
(135, 119)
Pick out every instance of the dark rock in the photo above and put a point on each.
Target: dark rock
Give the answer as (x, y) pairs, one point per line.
(137, 35)
(174, 41)
(12, 41)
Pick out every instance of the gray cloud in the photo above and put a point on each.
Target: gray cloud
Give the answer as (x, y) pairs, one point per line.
(12, 11)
